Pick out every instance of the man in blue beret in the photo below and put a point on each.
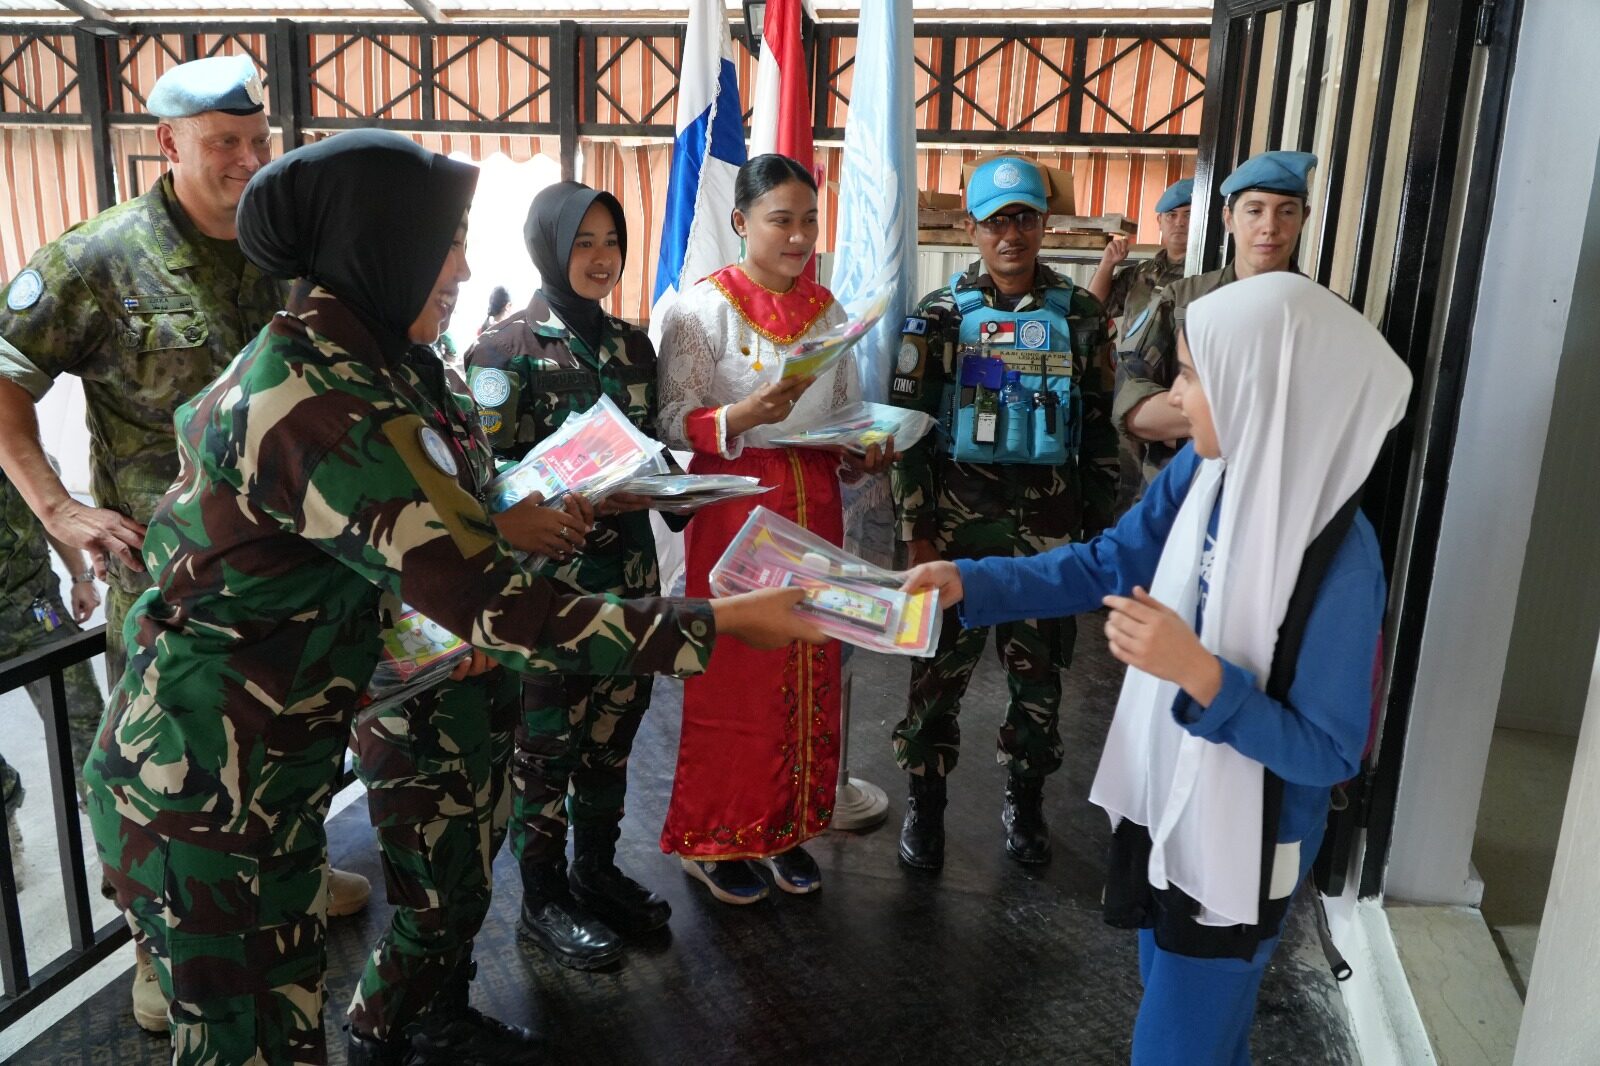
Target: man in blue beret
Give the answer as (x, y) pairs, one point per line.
(1265, 208)
(145, 303)
(1130, 292)
(1015, 362)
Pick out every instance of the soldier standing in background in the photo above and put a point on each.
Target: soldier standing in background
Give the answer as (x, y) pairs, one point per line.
(146, 302)
(32, 616)
(530, 373)
(1014, 472)
(1130, 292)
(1265, 211)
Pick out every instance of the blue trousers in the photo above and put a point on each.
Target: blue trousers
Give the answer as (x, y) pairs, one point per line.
(1196, 1012)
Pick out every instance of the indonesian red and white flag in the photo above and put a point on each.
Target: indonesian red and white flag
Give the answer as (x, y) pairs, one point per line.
(780, 120)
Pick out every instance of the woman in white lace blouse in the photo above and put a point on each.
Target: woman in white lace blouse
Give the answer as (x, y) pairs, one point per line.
(758, 757)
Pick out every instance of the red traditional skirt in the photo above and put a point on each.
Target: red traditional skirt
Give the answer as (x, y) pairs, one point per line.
(758, 758)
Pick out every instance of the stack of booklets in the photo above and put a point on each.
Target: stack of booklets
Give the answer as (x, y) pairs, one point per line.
(418, 653)
(593, 454)
(687, 493)
(850, 599)
(857, 426)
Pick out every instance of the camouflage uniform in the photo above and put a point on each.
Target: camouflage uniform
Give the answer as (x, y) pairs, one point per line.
(971, 511)
(27, 579)
(435, 769)
(146, 310)
(312, 484)
(1148, 362)
(528, 375)
(1135, 284)
(1131, 292)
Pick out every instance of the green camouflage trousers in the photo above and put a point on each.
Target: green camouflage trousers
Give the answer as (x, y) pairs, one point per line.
(571, 759)
(1033, 653)
(435, 771)
(21, 632)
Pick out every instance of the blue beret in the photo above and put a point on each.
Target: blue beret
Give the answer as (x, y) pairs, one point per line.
(1003, 182)
(219, 83)
(1279, 172)
(1178, 194)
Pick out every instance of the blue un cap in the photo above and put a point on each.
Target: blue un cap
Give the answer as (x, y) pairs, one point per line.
(1280, 172)
(1178, 194)
(220, 83)
(1003, 182)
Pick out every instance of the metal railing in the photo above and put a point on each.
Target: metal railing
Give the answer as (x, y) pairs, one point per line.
(25, 988)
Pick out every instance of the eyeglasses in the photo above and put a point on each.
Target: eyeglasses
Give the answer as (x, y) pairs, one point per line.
(1025, 221)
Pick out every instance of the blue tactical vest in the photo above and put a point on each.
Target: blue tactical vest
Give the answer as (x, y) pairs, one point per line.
(1036, 343)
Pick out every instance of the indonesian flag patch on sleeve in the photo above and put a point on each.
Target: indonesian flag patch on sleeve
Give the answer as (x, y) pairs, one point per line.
(999, 332)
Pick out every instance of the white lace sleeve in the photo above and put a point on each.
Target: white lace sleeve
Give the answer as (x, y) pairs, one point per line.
(687, 369)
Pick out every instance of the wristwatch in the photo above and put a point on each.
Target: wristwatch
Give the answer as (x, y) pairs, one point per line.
(84, 578)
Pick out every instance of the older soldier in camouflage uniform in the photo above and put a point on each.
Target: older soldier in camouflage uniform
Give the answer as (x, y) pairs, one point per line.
(1131, 290)
(32, 616)
(313, 483)
(1265, 210)
(530, 372)
(146, 303)
(954, 509)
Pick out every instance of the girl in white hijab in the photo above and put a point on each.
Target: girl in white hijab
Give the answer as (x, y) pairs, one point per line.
(1250, 656)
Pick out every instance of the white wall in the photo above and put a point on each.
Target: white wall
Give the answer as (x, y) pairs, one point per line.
(1546, 172)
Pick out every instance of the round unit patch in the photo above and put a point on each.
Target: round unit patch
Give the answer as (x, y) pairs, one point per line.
(491, 387)
(1034, 335)
(437, 451)
(908, 359)
(26, 288)
(1006, 176)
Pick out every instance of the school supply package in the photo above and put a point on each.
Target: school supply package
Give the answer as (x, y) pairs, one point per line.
(858, 426)
(418, 653)
(687, 493)
(817, 355)
(849, 598)
(593, 454)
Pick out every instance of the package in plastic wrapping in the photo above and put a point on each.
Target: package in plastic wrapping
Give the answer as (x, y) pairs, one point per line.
(856, 427)
(593, 454)
(850, 599)
(418, 653)
(687, 493)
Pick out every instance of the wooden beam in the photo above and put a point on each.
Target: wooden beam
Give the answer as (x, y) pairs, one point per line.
(84, 9)
(427, 9)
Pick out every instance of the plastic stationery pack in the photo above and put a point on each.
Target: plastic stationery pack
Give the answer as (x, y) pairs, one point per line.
(850, 599)
(855, 427)
(593, 454)
(687, 493)
(819, 354)
(418, 653)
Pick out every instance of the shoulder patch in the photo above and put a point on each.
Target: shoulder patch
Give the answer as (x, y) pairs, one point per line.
(909, 358)
(915, 324)
(491, 422)
(491, 387)
(25, 290)
(437, 451)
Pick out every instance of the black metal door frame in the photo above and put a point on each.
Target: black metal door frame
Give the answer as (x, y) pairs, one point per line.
(1455, 31)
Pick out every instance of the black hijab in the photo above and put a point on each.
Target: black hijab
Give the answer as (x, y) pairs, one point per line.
(552, 226)
(368, 214)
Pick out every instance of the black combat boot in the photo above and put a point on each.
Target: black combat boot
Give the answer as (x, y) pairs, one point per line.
(454, 1033)
(611, 895)
(1027, 837)
(552, 919)
(364, 1050)
(922, 834)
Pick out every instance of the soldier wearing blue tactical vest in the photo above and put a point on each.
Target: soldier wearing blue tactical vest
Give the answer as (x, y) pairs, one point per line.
(1265, 210)
(1015, 363)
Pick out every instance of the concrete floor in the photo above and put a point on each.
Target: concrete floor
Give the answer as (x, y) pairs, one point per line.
(986, 963)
